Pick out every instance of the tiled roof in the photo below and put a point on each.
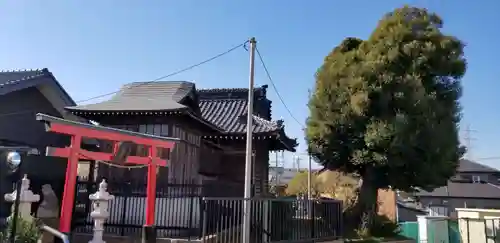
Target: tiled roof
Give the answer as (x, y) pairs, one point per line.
(13, 77)
(14, 80)
(230, 115)
(467, 190)
(224, 108)
(144, 96)
(411, 206)
(471, 166)
(227, 109)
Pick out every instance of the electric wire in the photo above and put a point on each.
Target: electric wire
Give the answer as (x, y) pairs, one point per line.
(140, 84)
(266, 70)
(171, 74)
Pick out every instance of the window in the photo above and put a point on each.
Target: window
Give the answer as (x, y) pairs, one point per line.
(476, 179)
(154, 129)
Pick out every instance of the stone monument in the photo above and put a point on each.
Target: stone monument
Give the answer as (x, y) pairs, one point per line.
(48, 211)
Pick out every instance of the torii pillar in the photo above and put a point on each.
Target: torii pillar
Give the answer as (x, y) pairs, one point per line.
(74, 153)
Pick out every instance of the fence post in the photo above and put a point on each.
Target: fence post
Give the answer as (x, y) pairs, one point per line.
(312, 217)
(190, 220)
(340, 223)
(203, 219)
(126, 192)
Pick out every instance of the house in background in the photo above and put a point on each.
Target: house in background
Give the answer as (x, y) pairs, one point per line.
(474, 186)
(408, 210)
(24, 93)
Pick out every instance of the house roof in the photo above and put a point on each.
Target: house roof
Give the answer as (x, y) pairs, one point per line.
(15, 80)
(224, 109)
(471, 166)
(227, 109)
(464, 190)
(144, 96)
(231, 115)
(411, 206)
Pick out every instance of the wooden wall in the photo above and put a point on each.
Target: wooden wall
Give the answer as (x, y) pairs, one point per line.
(182, 167)
(193, 160)
(232, 167)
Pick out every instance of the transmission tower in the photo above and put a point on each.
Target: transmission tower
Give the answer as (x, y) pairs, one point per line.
(278, 164)
(468, 139)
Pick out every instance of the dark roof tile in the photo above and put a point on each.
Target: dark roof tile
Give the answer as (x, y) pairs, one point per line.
(471, 166)
(467, 190)
(16, 76)
(15, 80)
(144, 96)
(230, 115)
(231, 93)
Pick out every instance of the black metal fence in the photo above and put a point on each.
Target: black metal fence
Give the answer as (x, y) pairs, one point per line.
(192, 211)
(178, 207)
(272, 220)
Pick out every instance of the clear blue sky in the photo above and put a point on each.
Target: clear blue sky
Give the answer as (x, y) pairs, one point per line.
(93, 47)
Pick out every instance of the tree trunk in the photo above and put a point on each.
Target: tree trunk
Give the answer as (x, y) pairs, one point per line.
(361, 216)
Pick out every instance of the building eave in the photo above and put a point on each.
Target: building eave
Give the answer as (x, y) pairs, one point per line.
(288, 143)
(45, 82)
(80, 112)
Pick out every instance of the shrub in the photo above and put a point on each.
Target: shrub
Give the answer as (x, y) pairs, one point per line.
(26, 232)
(384, 227)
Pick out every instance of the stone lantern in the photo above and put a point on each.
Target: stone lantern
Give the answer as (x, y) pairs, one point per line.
(26, 198)
(100, 201)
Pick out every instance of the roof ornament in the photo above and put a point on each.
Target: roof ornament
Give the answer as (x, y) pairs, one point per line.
(280, 122)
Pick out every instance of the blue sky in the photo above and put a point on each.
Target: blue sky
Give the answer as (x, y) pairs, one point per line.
(93, 47)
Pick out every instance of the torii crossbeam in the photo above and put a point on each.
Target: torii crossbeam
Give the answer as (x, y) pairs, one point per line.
(74, 153)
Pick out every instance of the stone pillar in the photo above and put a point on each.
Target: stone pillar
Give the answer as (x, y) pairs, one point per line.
(26, 198)
(100, 201)
(422, 227)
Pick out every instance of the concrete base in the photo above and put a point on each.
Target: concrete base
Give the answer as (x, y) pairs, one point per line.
(85, 238)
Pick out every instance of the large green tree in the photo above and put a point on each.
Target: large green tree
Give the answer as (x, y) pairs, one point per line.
(387, 108)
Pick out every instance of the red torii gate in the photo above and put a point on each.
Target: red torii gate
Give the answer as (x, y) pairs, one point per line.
(74, 153)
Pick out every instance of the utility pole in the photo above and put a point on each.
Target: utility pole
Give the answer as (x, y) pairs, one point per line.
(309, 178)
(309, 166)
(248, 158)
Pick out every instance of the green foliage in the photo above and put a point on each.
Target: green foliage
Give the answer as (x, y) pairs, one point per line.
(26, 232)
(387, 108)
(298, 185)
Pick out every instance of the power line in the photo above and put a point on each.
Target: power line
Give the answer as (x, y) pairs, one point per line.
(165, 76)
(171, 74)
(275, 88)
